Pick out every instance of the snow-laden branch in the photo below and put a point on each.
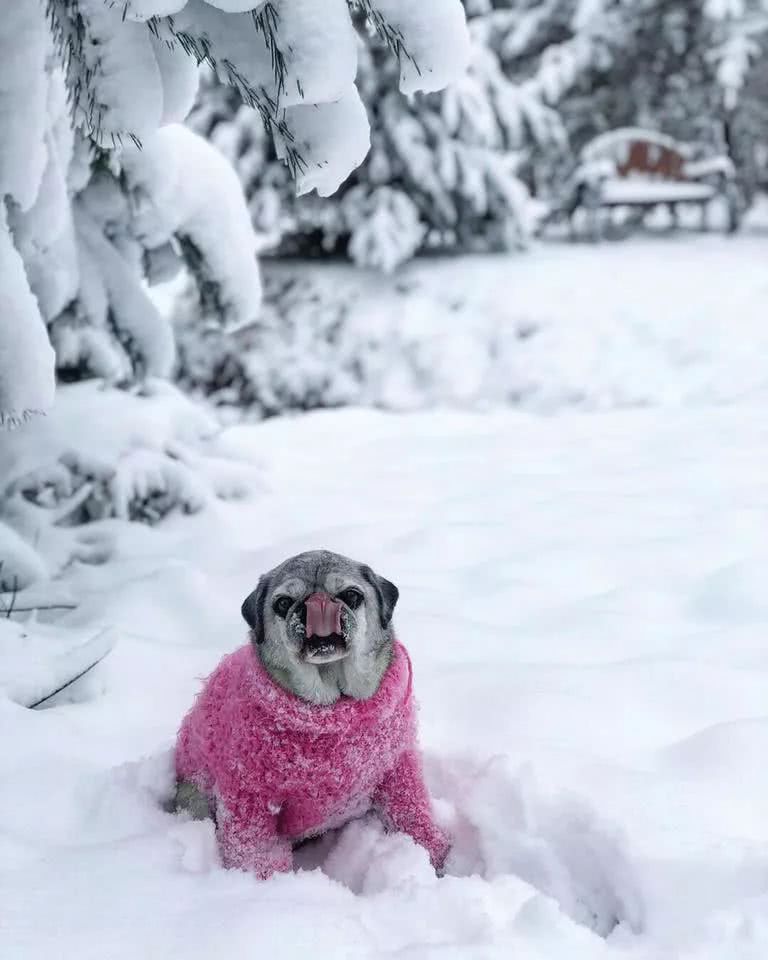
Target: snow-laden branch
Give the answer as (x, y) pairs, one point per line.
(181, 186)
(26, 355)
(81, 77)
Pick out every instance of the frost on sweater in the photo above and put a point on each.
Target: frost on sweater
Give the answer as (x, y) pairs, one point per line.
(282, 770)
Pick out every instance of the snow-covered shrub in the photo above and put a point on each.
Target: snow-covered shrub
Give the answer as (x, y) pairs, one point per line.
(303, 354)
(104, 454)
(442, 172)
(335, 336)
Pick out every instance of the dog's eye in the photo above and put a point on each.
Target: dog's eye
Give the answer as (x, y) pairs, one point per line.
(353, 598)
(282, 605)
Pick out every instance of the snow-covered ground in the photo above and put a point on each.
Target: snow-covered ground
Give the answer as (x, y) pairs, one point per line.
(584, 599)
(675, 319)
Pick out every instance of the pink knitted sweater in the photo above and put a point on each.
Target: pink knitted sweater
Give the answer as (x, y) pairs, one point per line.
(282, 770)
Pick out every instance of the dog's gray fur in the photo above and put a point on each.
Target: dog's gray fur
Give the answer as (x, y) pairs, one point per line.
(278, 641)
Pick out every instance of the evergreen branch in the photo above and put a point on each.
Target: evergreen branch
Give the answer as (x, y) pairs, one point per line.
(258, 98)
(208, 289)
(7, 609)
(266, 21)
(69, 32)
(68, 683)
(392, 36)
(69, 29)
(11, 419)
(39, 606)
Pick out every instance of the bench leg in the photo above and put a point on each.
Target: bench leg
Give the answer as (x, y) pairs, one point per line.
(733, 203)
(673, 216)
(593, 223)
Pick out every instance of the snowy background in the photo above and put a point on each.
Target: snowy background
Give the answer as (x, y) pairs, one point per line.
(557, 448)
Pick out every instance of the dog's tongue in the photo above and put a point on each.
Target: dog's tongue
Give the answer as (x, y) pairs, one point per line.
(323, 615)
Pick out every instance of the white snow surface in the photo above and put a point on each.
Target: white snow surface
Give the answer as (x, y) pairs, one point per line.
(37, 660)
(583, 596)
(674, 320)
(583, 599)
(647, 190)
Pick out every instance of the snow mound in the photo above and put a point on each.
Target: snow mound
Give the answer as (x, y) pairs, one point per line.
(504, 831)
(38, 661)
(105, 454)
(557, 844)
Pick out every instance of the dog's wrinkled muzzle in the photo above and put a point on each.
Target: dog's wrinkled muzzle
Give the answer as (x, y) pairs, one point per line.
(323, 616)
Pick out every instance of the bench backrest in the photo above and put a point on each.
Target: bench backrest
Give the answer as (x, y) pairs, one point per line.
(650, 158)
(635, 151)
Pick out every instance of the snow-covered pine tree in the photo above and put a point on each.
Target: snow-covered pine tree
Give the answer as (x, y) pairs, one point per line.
(81, 77)
(442, 171)
(740, 57)
(102, 190)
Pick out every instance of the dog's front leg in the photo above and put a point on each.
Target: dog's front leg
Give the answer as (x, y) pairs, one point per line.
(402, 801)
(248, 839)
(189, 798)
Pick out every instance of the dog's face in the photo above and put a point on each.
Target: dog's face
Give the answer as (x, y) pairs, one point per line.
(319, 609)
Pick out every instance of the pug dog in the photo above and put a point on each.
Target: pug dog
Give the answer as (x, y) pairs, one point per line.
(310, 724)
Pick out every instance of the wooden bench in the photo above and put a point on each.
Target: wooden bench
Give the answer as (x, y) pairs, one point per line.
(639, 170)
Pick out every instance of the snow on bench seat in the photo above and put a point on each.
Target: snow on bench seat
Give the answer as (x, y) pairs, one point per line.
(618, 191)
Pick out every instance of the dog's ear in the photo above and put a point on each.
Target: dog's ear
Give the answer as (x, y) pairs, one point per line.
(253, 609)
(386, 593)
